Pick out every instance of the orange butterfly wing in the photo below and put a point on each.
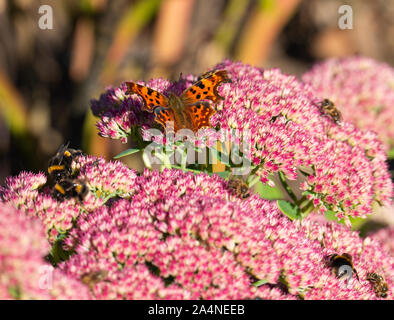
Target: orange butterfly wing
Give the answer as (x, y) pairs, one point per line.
(152, 98)
(205, 88)
(164, 115)
(199, 114)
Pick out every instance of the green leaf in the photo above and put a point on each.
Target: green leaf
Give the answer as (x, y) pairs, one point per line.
(111, 195)
(357, 222)
(260, 283)
(390, 154)
(57, 253)
(289, 209)
(126, 153)
(267, 192)
(186, 169)
(15, 292)
(330, 216)
(223, 174)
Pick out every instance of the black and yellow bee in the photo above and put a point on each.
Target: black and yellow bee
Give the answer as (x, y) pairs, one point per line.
(328, 109)
(93, 277)
(239, 188)
(70, 188)
(59, 166)
(336, 261)
(379, 284)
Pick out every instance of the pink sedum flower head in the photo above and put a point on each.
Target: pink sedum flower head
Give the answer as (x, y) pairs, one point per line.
(178, 235)
(345, 169)
(118, 114)
(103, 179)
(185, 236)
(385, 237)
(24, 274)
(368, 256)
(362, 89)
(178, 228)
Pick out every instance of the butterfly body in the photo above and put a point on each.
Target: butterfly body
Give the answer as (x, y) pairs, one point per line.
(181, 118)
(187, 111)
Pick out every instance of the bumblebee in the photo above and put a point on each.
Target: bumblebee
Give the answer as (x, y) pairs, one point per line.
(69, 188)
(379, 284)
(335, 261)
(93, 277)
(239, 188)
(327, 108)
(59, 166)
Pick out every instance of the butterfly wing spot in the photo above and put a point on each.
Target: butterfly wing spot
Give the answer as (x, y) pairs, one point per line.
(205, 87)
(150, 97)
(199, 115)
(164, 115)
(200, 84)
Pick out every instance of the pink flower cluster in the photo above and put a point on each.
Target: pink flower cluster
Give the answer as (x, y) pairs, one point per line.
(23, 192)
(288, 132)
(346, 166)
(362, 89)
(178, 228)
(24, 274)
(385, 237)
(102, 178)
(185, 236)
(105, 178)
(177, 235)
(368, 256)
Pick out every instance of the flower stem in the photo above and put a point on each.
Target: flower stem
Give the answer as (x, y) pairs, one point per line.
(254, 181)
(287, 188)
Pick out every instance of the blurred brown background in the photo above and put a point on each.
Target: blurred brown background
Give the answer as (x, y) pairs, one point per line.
(47, 77)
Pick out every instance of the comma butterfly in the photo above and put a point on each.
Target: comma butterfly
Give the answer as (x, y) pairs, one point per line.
(188, 110)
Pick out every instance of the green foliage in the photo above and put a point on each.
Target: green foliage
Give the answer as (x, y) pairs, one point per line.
(267, 5)
(15, 292)
(260, 283)
(267, 192)
(57, 253)
(290, 210)
(126, 153)
(390, 153)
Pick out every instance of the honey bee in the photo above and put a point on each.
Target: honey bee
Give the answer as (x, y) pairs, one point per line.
(93, 277)
(239, 188)
(379, 284)
(59, 166)
(336, 261)
(327, 108)
(68, 188)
